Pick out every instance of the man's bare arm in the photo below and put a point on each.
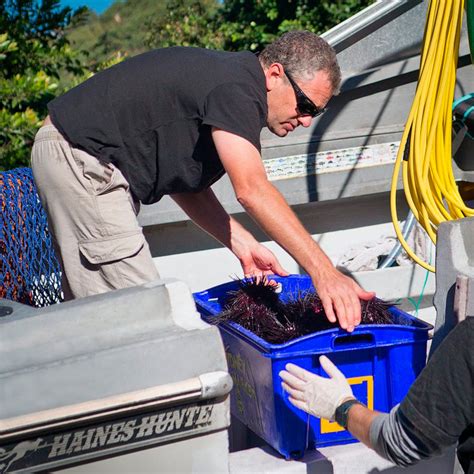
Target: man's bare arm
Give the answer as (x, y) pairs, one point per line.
(207, 212)
(339, 293)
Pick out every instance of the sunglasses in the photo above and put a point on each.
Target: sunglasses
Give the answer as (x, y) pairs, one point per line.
(304, 104)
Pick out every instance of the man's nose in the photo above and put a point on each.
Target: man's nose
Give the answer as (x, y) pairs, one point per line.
(305, 120)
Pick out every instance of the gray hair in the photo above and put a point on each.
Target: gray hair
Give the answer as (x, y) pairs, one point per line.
(302, 54)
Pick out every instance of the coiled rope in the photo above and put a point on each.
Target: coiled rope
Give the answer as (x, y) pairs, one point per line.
(425, 153)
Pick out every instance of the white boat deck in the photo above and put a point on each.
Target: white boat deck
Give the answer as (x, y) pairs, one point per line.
(345, 459)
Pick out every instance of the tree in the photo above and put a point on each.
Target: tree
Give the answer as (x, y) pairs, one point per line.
(244, 24)
(119, 29)
(186, 23)
(33, 54)
(35, 50)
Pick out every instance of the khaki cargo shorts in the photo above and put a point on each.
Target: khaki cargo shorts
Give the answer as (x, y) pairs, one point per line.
(92, 217)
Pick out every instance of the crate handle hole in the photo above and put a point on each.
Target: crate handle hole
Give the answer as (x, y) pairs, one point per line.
(354, 340)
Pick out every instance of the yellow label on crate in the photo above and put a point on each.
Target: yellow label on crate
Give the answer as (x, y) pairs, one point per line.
(331, 426)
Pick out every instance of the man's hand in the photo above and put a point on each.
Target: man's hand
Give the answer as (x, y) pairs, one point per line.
(257, 261)
(340, 296)
(319, 396)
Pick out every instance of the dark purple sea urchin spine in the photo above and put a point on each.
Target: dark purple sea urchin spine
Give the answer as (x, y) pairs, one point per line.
(256, 306)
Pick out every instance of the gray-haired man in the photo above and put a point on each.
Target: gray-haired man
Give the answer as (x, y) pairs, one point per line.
(173, 121)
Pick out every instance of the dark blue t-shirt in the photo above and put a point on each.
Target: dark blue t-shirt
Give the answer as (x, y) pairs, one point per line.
(152, 114)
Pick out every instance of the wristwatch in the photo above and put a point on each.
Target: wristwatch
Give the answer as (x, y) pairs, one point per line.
(342, 411)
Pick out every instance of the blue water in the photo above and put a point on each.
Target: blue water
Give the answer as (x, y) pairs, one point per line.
(99, 6)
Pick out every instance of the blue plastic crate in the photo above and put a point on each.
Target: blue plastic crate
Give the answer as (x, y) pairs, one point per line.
(380, 362)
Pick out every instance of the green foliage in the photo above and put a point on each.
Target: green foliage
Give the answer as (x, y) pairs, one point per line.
(36, 26)
(120, 29)
(133, 26)
(185, 23)
(244, 24)
(33, 53)
(42, 46)
(11, 124)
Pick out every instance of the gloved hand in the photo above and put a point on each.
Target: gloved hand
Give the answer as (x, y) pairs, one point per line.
(319, 396)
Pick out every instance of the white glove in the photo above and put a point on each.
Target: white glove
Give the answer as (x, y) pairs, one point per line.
(319, 396)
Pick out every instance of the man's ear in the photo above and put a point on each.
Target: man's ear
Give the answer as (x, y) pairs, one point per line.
(273, 74)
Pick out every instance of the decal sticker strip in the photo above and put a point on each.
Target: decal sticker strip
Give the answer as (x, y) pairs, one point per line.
(329, 161)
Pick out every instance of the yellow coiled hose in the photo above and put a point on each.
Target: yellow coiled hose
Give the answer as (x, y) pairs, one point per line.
(425, 153)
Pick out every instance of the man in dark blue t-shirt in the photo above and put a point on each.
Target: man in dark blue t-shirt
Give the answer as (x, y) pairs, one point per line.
(171, 122)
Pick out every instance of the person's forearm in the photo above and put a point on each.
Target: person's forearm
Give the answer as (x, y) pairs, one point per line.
(207, 212)
(269, 209)
(359, 421)
(340, 295)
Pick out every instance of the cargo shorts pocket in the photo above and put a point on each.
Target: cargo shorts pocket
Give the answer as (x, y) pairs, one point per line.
(113, 248)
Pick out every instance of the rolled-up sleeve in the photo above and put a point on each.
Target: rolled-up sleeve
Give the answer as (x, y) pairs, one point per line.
(438, 407)
(393, 437)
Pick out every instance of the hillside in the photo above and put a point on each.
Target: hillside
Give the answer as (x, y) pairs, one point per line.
(133, 26)
(122, 27)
